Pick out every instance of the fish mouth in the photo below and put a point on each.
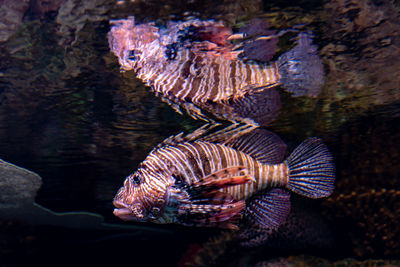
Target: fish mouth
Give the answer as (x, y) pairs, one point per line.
(125, 214)
(123, 211)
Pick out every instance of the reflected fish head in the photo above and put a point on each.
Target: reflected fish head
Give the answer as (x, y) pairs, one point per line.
(130, 42)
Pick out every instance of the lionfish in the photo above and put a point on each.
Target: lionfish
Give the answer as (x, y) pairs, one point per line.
(196, 65)
(218, 179)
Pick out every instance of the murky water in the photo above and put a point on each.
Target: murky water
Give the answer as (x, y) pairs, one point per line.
(68, 114)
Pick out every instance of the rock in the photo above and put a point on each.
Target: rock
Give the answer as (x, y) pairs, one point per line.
(11, 14)
(18, 186)
(40, 8)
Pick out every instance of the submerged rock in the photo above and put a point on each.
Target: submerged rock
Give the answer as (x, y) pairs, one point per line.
(362, 54)
(11, 14)
(18, 187)
(365, 206)
(305, 260)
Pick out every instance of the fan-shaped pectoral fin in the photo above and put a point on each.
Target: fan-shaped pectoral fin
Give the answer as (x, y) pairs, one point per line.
(224, 178)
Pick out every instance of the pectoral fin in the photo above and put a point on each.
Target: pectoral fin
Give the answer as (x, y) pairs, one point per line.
(213, 184)
(224, 178)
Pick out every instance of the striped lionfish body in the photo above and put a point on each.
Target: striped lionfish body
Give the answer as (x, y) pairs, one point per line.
(194, 65)
(193, 161)
(216, 183)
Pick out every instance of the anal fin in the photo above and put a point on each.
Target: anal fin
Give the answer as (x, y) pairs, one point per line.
(222, 215)
(270, 209)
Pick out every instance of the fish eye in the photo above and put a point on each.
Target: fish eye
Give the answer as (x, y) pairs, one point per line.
(132, 54)
(136, 179)
(171, 51)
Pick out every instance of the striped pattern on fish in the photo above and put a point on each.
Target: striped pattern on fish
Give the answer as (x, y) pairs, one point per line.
(218, 179)
(193, 65)
(192, 161)
(190, 76)
(216, 79)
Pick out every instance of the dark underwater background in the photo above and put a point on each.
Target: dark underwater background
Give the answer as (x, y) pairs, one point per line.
(69, 115)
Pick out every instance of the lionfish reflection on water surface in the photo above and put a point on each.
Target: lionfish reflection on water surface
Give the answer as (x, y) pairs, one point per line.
(217, 179)
(201, 65)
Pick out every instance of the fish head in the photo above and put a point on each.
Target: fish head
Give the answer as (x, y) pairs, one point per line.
(143, 198)
(130, 41)
(142, 42)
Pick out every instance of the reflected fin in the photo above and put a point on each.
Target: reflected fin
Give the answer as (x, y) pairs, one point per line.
(301, 69)
(256, 105)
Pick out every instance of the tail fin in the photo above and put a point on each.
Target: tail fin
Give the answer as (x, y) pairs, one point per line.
(301, 69)
(311, 169)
